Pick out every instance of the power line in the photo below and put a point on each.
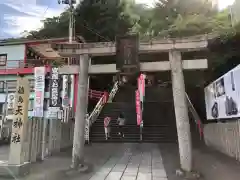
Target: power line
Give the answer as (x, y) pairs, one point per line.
(44, 13)
(94, 31)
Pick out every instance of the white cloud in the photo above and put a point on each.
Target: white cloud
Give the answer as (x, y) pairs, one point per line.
(150, 3)
(19, 24)
(32, 21)
(224, 3)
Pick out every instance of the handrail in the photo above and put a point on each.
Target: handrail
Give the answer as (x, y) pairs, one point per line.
(95, 94)
(97, 110)
(93, 116)
(196, 117)
(113, 92)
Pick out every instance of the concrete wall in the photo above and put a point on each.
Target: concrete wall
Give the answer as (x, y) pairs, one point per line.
(235, 12)
(224, 137)
(15, 53)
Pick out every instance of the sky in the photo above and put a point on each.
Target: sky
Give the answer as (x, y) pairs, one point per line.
(16, 16)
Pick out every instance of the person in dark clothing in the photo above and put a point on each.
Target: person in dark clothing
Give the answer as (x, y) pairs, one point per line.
(121, 122)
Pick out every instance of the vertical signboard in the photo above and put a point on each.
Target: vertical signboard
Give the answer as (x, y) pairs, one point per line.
(39, 76)
(54, 88)
(54, 107)
(20, 118)
(141, 86)
(10, 101)
(138, 108)
(127, 48)
(72, 90)
(65, 91)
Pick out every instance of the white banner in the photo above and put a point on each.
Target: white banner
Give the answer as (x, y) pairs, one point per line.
(10, 100)
(39, 76)
(222, 97)
(72, 90)
(141, 86)
(65, 91)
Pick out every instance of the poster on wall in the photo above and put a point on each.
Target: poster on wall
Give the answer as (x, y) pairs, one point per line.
(39, 76)
(222, 97)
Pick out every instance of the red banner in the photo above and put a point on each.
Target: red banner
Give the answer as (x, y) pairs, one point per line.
(138, 108)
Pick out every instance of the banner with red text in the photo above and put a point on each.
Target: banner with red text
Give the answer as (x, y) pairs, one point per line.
(138, 108)
(39, 76)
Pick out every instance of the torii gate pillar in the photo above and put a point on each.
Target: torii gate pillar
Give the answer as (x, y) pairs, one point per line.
(181, 111)
(79, 129)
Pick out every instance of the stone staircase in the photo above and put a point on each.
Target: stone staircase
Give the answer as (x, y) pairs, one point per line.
(159, 122)
(158, 116)
(131, 130)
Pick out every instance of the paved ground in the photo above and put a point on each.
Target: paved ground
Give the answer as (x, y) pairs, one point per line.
(133, 161)
(211, 164)
(110, 161)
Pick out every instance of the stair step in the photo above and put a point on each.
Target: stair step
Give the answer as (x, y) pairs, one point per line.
(159, 124)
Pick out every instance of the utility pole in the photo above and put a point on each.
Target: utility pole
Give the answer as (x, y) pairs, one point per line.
(231, 15)
(71, 18)
(80, 115)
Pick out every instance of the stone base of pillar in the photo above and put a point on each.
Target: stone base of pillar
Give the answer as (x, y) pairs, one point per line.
(12, 171)
(188, 175)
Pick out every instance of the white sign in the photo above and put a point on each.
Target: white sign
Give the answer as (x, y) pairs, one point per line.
(65, 91)
(72, 90)
(39, 74)
(222, 97)
(141, 86)
(53, 112)
(10, 100)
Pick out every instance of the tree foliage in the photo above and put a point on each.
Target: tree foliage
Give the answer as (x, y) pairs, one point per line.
(95, 20)
(102, 20)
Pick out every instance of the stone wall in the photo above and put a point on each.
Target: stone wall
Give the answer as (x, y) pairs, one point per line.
(224, 137)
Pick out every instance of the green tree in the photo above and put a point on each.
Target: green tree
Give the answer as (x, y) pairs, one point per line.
(96, 20)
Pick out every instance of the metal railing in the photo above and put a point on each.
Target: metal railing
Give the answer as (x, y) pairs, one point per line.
(195, 115)
(93, 94)
(97, 110)
(11, 85)
(30, 63)
(113, 92)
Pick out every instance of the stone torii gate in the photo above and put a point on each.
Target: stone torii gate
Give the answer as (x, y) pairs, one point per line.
(175, 64)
